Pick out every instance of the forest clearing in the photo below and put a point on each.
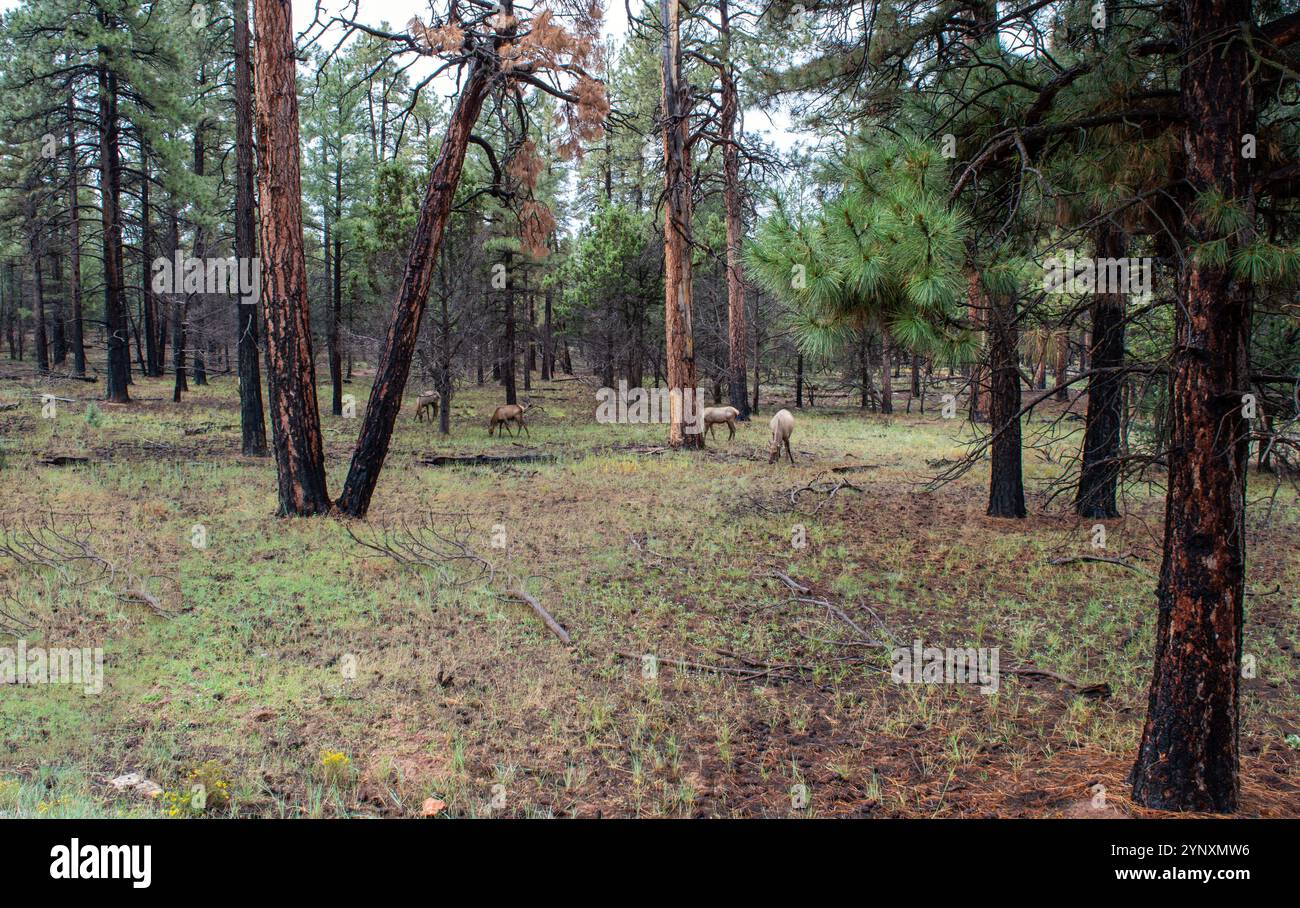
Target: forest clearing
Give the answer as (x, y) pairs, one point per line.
(635, 550)
(735, 409)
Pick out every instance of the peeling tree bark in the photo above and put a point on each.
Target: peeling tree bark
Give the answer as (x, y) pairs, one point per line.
(295, 418)
(1188, 758)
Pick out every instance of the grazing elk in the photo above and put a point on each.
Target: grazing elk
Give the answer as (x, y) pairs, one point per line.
(712, 416)
(427, 405)
(782, 426)
(504, 415)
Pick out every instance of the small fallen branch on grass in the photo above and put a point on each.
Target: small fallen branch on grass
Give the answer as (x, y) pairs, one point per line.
(1102, 559)
(547, 619)
(1091, 691)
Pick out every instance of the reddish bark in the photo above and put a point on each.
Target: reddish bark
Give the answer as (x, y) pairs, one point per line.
(679, 338)
(290, 367)
(1188, 758)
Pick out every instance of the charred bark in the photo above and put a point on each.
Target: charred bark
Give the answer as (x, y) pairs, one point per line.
(1188, 758)
(1099, 475)
(408, 309)
(252, 421)
(290, 367)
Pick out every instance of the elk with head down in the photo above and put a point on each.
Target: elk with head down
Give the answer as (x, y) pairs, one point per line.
(782, 426)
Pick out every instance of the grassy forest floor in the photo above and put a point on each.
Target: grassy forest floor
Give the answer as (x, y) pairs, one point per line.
(314, 676)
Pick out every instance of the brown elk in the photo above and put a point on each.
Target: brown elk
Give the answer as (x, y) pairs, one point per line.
(505, 414)
(782, 426)
(713, 416)
(427, 405)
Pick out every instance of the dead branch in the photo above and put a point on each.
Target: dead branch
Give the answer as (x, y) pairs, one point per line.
(542, 613)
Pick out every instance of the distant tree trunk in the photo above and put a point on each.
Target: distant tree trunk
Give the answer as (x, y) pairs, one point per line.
(916, 375)
(295, 417)
(1099, 474)
(110, 182)
(38, 305)
(58, 337)
(178, 319)
(1062, 365)
(252, 421)
(198, 323)
(798, 381)
(1188, 758)
(548, 341)
(508, 341)
(678, 335)
(886, 376)
(153, 364)
(864, 366)
(336, 295)
(74, 245)
(1006, 483)
(408, 309)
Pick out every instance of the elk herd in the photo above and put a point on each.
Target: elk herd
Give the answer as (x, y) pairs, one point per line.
(781, 425)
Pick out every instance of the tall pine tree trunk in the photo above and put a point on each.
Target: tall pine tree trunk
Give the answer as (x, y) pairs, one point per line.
(1006, 482)
(110, 186)
(290, 367)
(153, 364)
(77, 333)
(737, 343)
(252, 422)
(678, 335)
(1188, 758)
(1099, 474)
(408, 309)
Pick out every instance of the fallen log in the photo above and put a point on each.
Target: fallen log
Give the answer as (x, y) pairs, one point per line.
(484, 460)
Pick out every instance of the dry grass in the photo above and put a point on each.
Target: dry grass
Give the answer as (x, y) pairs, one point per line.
(287, 639)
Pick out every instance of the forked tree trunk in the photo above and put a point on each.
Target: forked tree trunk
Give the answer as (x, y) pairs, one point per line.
(1188, 758)
(295, 418)
(1099, 475)
(408, 309)
(1006, 483)
(678, 336)
(252, 422)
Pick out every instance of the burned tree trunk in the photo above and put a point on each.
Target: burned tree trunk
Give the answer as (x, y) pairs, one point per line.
(1099, 474)
(295, 419)
(110, 184)
(1188, 758)
(1006, 482)
(408, 308)
(252, 422)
